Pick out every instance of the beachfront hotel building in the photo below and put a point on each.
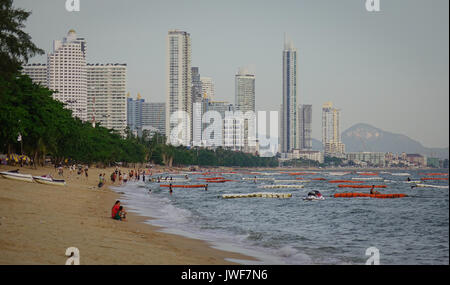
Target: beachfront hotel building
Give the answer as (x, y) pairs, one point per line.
(245, 102)
(94, 92)
(289, 130)
(179, 89)
(305, 129)
(106, 95)
(67, 73)
(331, 137)
(37, 72)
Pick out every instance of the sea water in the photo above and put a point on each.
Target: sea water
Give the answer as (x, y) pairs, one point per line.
(411, 230)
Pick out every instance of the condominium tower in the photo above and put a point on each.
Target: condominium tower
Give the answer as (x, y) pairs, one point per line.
(305, 129)
(106, 95)
(331, 137)
(179, 96)
(67, 73)
(289, 130)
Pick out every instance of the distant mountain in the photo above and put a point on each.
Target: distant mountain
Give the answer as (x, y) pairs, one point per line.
(364, 137)
(317, 145)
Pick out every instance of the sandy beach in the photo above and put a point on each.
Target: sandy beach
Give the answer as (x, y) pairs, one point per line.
(39, 222)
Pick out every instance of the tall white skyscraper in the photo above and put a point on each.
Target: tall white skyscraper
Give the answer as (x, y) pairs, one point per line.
(67, 73)
(289, 131)
(331, 137)
(106, 95)
(179, 97)
(207, 87)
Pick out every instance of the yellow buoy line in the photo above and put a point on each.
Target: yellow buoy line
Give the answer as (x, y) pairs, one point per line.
(258, 195)
(295, 181)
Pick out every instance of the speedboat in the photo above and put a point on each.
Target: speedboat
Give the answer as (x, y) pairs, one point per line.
(314, 196)
(49, 180)
(15, 175)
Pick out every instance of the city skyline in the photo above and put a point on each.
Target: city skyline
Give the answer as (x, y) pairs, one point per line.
(385, 71)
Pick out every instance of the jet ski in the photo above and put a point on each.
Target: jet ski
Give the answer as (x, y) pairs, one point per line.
(314, 195)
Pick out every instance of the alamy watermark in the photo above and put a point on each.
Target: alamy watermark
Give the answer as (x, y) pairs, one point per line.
(73, 5)
(224, 129)
(373, 5)
(374, 254)
(74, 256)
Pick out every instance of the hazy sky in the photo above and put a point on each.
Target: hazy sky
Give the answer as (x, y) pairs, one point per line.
(388, 69)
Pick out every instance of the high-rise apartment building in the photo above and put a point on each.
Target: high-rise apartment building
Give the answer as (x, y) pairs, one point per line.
(134, 114)
(244, 91)
(154, 115)
(331, 137)
(179, 96)
(197, 94)
(289, 129)
(245, 102)
(94, 92)
(207, 87)
(305, 126)
(106, 95)
(67, 73)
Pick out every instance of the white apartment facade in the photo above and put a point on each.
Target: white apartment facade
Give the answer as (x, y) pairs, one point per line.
(37, 72)
(106, 100)
(67, 73)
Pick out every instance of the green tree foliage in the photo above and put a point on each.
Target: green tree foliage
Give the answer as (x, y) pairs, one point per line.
(47, 128)
(16, 46)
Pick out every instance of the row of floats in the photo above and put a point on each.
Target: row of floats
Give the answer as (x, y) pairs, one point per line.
(354, 182)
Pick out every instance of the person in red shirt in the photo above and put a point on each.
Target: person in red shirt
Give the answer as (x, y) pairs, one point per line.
(115, 209)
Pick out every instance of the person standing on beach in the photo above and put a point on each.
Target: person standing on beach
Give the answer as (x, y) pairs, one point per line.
(86, 172)
(100, 181)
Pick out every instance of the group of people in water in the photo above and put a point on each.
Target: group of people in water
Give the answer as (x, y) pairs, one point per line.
(132, 175)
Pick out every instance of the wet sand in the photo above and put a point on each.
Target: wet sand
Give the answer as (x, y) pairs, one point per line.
(39, 222)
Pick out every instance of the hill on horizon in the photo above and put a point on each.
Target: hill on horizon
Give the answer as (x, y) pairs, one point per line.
(364, 137)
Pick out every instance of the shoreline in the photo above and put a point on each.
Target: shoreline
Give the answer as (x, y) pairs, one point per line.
(39, 222)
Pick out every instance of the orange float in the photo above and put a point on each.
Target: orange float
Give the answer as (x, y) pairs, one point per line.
(368, 173)
(316, 178)
(379, 196)
(434, 178)
(361, 186)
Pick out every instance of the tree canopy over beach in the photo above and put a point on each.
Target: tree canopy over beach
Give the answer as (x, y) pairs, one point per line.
(35, 124)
